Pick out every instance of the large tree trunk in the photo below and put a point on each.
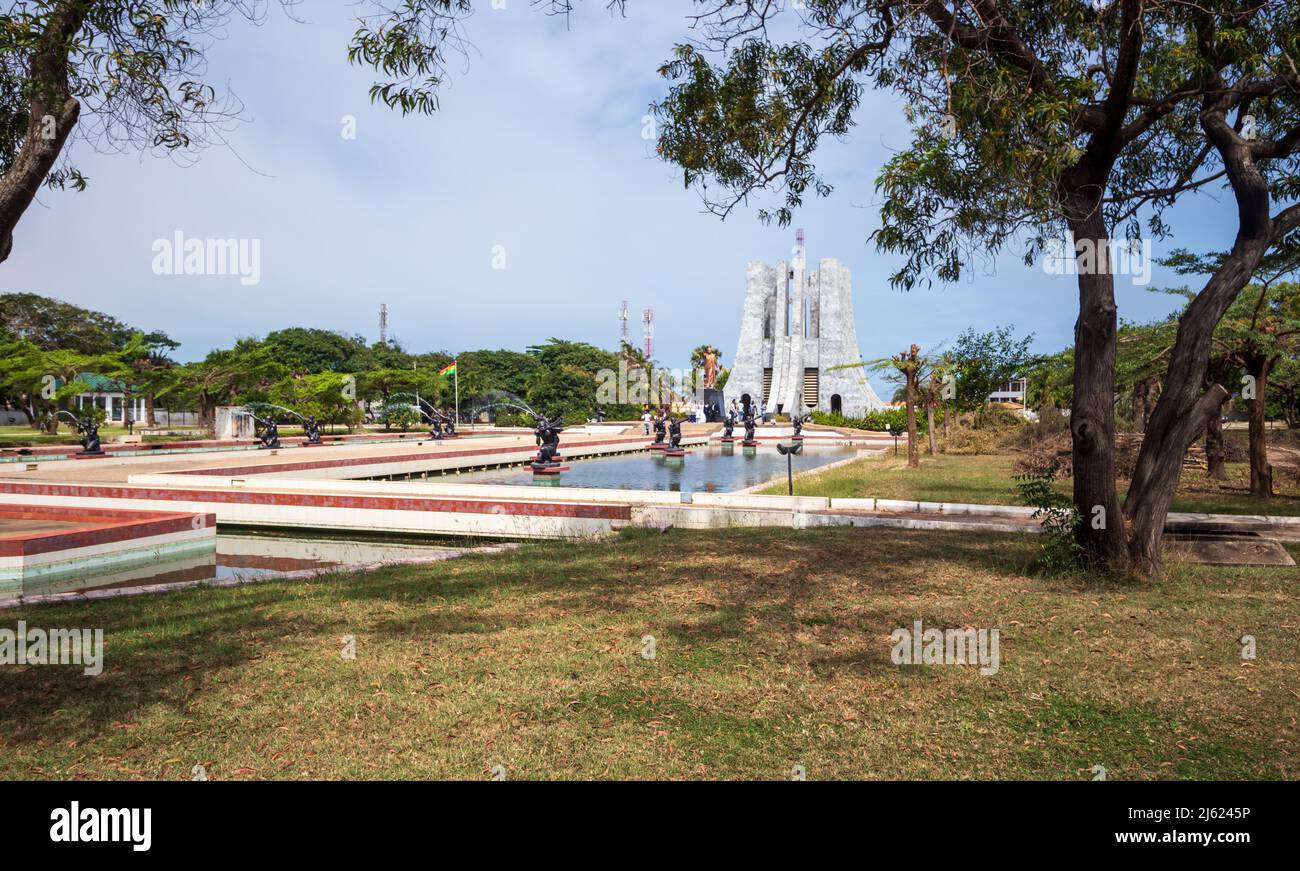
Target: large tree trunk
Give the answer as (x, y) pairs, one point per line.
(207, 412)
(1092, 411)
(52, 114)
(1150, 395)
(1141, 398)
(1216, 455)
(1184, 408)
(150, 417)
(1261, 473)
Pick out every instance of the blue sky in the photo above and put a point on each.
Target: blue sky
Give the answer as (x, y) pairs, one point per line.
(537, 148)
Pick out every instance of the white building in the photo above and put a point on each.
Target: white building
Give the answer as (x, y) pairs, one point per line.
(1012, 391)
(111, 396)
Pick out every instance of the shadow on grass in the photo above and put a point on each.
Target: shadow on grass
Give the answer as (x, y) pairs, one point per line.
(752, 587)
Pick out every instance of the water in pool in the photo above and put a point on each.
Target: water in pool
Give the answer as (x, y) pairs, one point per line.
(704, 470)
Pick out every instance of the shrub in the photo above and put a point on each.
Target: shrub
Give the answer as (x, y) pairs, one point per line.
(1055, 455)
(1000, 417)
(1051, 421)
(876, 421)
(400, 417)
(964, 441)
(1060, 521)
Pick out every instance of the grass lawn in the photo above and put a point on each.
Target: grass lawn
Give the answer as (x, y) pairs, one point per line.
(987, 480)
(772, 649)
(25, 436)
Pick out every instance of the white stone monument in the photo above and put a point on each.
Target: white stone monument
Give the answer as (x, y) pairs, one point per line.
(796, 326)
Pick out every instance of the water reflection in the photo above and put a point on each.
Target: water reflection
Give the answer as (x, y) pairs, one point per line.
(245, 555)
(703, 470)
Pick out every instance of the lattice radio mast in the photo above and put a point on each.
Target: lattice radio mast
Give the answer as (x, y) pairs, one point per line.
(383, 323)
(648, 321)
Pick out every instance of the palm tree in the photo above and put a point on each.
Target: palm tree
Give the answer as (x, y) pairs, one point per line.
(923, 381)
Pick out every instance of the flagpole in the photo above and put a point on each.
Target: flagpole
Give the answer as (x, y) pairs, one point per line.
(456, 378)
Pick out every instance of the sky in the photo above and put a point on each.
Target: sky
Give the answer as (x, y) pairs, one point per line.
(536, 161)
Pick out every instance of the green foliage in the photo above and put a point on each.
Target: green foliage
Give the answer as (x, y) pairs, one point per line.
(244, 373)
(565, 379)
(97, 413)
(407, 43)
(997, 121)
(52, 324)
(328, 396)
(983, 362)
(1050, 380)
(758, 118)
(1060, 521)
(312, 351)
(876, 421)
(40, 381)
(481, 371)
(399, 416)
(1263, 322)
(1141, 352)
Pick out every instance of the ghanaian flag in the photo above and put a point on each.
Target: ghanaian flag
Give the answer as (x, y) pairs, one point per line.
(450, 370)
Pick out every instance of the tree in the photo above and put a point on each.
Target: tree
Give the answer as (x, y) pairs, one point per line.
(1217, 371)
(909, 365)
(103, 341)
(1033, 120)
(148, 368)
(983, 362)
(40, 381)
(483, 371)
(324, 395)
(922, 380)
(1286, 390)
(936, 389)
(313, 351)
(648, 385)
(1141, 358)
(565, 379)
(53, 324)
(240, 374)
(1049, 380)
(1260, 329)
(565, 390)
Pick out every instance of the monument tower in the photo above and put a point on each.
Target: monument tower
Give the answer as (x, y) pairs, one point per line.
(796, 326)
